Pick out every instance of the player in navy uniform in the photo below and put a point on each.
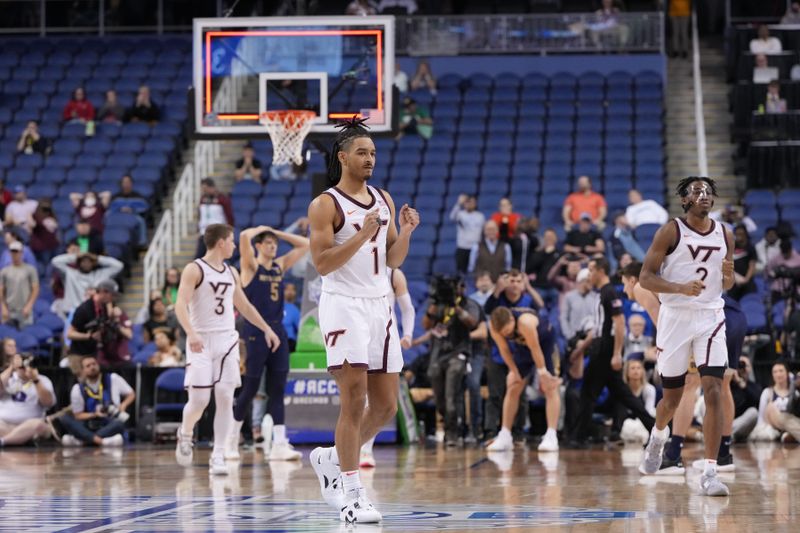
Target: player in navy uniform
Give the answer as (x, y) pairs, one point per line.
(262, 279)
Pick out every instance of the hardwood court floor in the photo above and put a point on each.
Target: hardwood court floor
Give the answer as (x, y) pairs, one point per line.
(141, 488)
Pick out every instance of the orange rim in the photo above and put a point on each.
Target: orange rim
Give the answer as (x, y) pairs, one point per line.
(290, 119)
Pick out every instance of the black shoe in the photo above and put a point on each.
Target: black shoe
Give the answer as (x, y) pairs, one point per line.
(725, 464)
(670, 467)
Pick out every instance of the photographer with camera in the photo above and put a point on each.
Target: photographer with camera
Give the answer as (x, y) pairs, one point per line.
(99, 405)
(25, 397)
(450, 317)
(783, 271)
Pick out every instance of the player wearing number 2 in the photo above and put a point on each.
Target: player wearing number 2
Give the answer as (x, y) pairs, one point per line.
(353, 240)
(689, 265)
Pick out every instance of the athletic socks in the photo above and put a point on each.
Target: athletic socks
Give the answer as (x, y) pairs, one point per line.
(334, 456)
(351, 483)
(711, 467)
(550, 432)
(673, 451)
(724, 446)
(279, 435)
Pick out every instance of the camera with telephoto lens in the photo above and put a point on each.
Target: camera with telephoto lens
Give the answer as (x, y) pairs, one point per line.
(444, 289)
(108, 328)
(784, 272)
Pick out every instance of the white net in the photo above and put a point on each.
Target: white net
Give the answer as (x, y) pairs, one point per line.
(287, 130)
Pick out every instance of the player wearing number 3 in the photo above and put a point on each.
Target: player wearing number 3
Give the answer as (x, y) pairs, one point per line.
(689, 265)
(353, 240)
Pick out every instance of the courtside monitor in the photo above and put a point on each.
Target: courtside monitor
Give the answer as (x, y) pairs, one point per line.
(336, 67)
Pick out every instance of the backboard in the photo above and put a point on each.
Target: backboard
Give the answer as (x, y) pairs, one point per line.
(336, 66)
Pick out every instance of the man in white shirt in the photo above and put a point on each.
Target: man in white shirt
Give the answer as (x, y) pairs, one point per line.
(19, 211)
(764, 44)
(25, 397)
(762, 72)
(644, 211)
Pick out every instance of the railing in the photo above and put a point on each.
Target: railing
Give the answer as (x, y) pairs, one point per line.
(158, 258)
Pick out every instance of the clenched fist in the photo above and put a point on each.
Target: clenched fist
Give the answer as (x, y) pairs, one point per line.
(693, 288)
(409, 218)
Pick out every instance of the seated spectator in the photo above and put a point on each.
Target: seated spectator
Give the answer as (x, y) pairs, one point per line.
(525, 239)
(397, 7)
(644, 211)
(623, 240)
(746, 395)
(469, 227)
(762, 72)
(87, 239)
(5, 198)
(744, 264)
(31, 141)
(776, 270)
(767, 248)
(361, 8)
(111, 111)
(607, 24)
(400, 78)
(484, 287)
(25, 397)
(792, 15)
(636, 341)
(513, 290)
(490, 254)
(166, 354)
(584, 200)
(579, 304)
(732, 216)
(99, 405)
(249, 167)
(506, 219)
(775, 104)
(539, 262)
(764, 44)
(78, 109)
(774, 401)
(19, 288)
(584, 240)
(127, 200)
(91, 207)
(423, 77)
(10, 238)
(80, 272)
(644, 392)
(215, 208)
(159, 320)
(415, 119)
(44, 237)
(170, 290)
(19, 212)
(143, 109)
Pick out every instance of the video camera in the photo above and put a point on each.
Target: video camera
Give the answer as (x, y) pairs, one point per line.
(108, 328)
(443, 289)
(784, 272)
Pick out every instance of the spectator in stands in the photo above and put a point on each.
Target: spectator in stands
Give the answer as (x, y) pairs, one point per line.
(78, 109)
(91, 207)
(635, 378)
(526, 238)
(215, 208)
(777, 270)
(762, 72)
(506, 219)
(641, 211)
(746, 395)
(607, 24)
(10, 237)
(792, 15)
(624, 241)
(774, 401)
(513, 290)
(361, 8)
(170, 290)
(80, 272)
(5, 198)
(31, 141)
(731, 216)
(584, 200)
(127, 200)
(115, 350)
(415, 118)
(764, 44)
(585, 240)
(99, 408)
(767, 248)
(44, 237)
(87, 239)
(539, 263)
(249, 166)
(484, 287)
(578, 305)
(423, 77)
(291, 314)
(111, 111)
(92, 324)
(166, 354)
(564, 274)
(19, 212)
(400, 78)
(397, 7)
(774, 103)
(469, 227)
(159, 320)
(143, 109)
(25, 397)
(680, 12)
(19, 288)
(490, 254)
(636, 341)
(744, 264)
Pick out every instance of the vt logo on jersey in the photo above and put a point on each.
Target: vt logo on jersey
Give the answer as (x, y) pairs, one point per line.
(220, 288)
(696, 250)
(333, 336)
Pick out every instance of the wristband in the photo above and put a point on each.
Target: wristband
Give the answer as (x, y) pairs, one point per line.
(542, 371)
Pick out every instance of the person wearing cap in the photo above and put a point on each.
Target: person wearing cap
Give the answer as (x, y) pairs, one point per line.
(10, 237)
(584, 200)
(92, 324)
(584, 239)
(19, 288)
(19, 212)
(577, 305)
(215, 208)
(82, 271)
(249, 167)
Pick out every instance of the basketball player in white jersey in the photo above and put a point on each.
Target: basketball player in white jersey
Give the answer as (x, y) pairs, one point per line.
(208, 292)
(353, 240)
(689, 265)
(399, 294)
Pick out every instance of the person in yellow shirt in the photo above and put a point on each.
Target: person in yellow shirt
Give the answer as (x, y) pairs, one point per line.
(679, 13)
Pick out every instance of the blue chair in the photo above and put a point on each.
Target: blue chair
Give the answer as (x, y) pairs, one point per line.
(760, 197)
(170, 381)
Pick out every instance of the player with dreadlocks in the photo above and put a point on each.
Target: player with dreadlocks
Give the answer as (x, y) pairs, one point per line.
(688, 266)
(353, 240)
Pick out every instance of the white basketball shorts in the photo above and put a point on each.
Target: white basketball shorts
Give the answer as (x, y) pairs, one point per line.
(361, 331)
(683, 332)
(217, 363)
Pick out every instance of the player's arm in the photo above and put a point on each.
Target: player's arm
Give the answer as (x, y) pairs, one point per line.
(503, 348)
(407, 314)
(649, 301)
(247, 261)
(650, 279)
(397, 241)
(243, 305)
(299, 245)
(527, 325)
(619, 340)
(480, 333)
(190, 277)
(326, 256)
(728, 278)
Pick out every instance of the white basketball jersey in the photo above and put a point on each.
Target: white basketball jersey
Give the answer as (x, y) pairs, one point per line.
(696, 256)
(211, 308)
(364, 274)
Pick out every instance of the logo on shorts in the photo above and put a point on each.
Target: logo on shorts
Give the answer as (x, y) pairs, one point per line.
(332, 336)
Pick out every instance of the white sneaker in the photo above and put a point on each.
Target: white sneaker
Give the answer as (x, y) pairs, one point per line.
(501, 443)
(367, 459)
(232, 443)
(217, 466)
(184, 452)
(266, 432)
(115, 440)
(549, 443)
(283, 451)
(712, 486)
(71, 441)
(330, 477)
(359, 510)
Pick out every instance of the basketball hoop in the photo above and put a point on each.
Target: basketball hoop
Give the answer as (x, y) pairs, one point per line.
(287, 129)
